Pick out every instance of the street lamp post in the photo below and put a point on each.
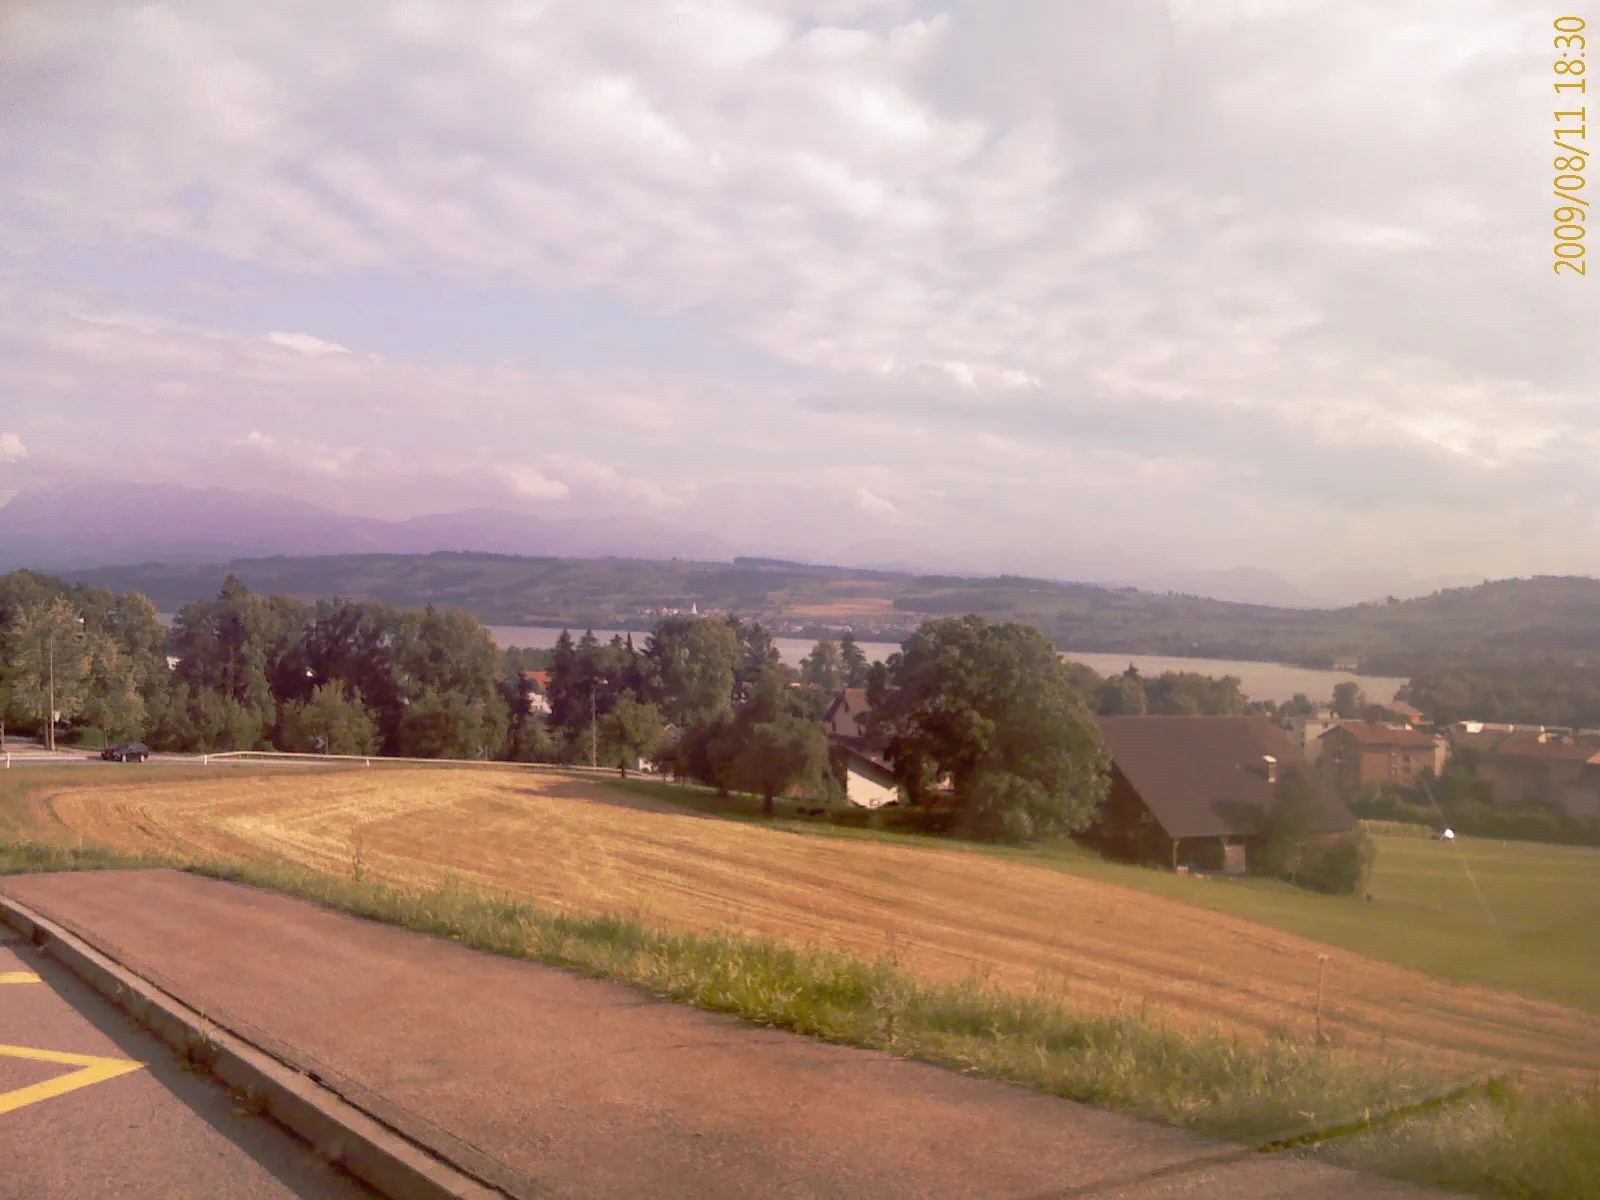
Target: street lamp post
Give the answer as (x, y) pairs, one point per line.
(50, 717)
(50, 714)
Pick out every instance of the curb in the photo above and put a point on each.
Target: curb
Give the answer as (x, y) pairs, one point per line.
(338, 1131)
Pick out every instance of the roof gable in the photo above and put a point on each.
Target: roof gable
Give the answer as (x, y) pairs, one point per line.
(845, 716)
(1205, 776)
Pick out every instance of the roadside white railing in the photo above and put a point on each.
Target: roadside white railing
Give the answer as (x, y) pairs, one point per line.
(385, 760)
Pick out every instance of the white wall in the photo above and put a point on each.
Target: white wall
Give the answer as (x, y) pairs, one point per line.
(866, 791)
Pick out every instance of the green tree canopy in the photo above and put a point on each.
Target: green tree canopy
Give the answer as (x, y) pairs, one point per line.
(1122, 696)
(1348, 699)
(689, 666)
(332, 721)
(993, 707)
(824, 667)
(630, 731)
(773, 756)
(853, 661)
(47, 651)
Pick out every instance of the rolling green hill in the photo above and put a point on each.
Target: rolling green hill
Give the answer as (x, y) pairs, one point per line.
(1516, 620)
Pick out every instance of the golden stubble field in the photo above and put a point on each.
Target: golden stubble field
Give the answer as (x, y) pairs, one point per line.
(944, 914)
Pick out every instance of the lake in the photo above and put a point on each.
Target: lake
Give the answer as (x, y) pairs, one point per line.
(1258, 680)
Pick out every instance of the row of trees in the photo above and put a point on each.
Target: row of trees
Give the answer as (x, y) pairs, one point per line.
(982, 710)
(337, 676)
(1172, 693)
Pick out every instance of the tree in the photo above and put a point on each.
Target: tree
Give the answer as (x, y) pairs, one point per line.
(1348, 699)
(630, 731)
(852, 661)
(758, 655)
(332, 721)
(1183, 693)
(1122, 695)
(824, 668)
(452, 725)
(689, 667)
(233, 646)
(1297, 705)
(563, 686)
(111, 702)
(47, 660)
(991, 706)
(774, 756)
(1287, 823)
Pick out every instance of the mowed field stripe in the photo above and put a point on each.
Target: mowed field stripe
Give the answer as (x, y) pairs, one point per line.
(945, 914)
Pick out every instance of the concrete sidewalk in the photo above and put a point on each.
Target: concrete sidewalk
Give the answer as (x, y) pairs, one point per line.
(540, 1083)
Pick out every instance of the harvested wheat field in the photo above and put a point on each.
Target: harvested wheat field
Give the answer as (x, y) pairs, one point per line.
(944, 914)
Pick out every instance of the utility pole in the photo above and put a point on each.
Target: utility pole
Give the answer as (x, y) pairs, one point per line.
(50, 717)
(594, 759)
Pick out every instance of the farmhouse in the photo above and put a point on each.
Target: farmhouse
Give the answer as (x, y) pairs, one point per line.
(535, 687)
(1196, 790)
(869, 781)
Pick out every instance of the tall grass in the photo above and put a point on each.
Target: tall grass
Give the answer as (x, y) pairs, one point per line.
(1497, 1140)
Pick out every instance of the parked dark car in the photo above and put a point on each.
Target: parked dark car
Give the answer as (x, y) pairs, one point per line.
(126, 752)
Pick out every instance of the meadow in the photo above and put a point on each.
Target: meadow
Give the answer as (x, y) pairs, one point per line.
(1045, 967)
(1240, 959)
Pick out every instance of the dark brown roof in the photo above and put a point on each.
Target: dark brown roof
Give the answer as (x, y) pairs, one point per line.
(845, 714)
(1204, 776)
(1481, 741)
(1528, 745)
(1369, 734)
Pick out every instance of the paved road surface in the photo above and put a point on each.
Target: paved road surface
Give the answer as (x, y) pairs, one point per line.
(546, 1084)
(92, 1108)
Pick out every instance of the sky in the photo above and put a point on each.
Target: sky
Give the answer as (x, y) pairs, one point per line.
(1081, 288)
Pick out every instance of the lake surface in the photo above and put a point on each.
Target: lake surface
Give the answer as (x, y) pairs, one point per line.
(1258, 680)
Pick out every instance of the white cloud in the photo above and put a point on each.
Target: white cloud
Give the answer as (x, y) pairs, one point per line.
(305, 343)
(11, 448)
(876, 505)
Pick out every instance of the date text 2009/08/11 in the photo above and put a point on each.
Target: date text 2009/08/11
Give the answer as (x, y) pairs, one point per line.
(1570, 137)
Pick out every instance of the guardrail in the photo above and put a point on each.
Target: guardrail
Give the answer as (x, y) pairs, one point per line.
(385, 760)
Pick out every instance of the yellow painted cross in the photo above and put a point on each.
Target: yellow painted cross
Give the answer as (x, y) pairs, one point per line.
(18, 977)
(90, 1070)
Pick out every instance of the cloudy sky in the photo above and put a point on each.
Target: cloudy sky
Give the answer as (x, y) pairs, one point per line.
(1074, 287)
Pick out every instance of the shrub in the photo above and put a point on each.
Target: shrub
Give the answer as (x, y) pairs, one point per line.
(1340, 866)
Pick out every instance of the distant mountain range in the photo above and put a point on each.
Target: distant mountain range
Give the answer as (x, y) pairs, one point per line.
(83, 526)
(96, 525)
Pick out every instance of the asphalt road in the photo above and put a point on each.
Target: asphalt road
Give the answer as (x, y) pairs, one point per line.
(93, 1108)
(84, 758)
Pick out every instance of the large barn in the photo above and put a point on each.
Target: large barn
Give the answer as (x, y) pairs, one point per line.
(1193, 791)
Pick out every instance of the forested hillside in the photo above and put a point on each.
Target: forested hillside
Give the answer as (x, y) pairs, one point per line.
(1506, 622)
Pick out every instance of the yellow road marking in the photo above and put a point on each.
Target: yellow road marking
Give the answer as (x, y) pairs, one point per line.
(18, 977)
(90, 1070)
